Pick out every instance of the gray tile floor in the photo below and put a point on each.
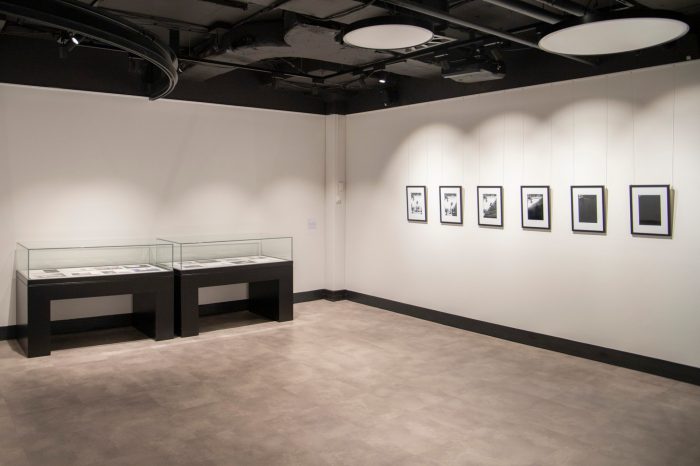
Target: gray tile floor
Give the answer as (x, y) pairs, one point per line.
(344, 384)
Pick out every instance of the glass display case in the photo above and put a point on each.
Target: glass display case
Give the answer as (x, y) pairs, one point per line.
(60, 260)
(204, 252)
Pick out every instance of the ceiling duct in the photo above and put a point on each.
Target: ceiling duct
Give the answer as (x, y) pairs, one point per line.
(566, 6)
(295, 38)
(79, 18)
(476, 72)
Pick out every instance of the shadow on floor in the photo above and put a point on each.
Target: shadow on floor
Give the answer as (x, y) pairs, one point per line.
(211, 323)
(95, 338)
(208, 323)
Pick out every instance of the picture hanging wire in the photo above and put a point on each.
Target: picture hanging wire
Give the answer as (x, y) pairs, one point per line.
(673, 123)
(551, 146)
(503, 150)
(478, 152)
(573, 145)
(607, 128)
(634, 130)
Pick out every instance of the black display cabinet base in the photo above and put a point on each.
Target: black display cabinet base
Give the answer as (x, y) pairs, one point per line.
(152, 303)
(270, 291)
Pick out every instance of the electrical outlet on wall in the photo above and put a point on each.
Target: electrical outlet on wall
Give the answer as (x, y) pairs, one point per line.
(339, 193)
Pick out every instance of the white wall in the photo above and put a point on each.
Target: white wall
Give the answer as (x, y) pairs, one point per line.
(629, 293)
(77, 165)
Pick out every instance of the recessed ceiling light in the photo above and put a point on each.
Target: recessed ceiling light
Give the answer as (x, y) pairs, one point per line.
(602, 36)
(388, 33)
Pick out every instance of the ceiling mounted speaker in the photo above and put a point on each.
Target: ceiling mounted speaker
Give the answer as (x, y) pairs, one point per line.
(388, 33)
(595, 35)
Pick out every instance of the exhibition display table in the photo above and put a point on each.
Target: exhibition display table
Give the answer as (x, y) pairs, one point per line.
(264, 262)
(47, 273)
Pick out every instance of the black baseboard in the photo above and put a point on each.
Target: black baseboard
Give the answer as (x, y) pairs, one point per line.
(334, 295)
(87, 324)
(614, 357)
(8, 333)
(305, 296)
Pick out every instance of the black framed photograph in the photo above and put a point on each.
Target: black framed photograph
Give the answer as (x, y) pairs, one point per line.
(451, 204)
(534, 203)
(588, 209)
(416, 205)
(490, 205)
(650, 210)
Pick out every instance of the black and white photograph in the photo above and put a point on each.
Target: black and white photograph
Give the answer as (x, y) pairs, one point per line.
(451, 204)
(490, 205)
(650, 210)
(588, 209)
(416, 204)
(535, 207)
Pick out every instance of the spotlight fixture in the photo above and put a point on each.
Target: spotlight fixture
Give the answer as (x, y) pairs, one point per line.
(388, 33)
(382, 76)
(614, 33)
(75, 39)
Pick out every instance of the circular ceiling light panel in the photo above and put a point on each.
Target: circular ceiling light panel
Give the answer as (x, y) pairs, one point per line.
(614, 35)
(388, 33)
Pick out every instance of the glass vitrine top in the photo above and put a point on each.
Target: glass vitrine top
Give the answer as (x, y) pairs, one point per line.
(39, 260)
(222, 238)
(193, 252)
(88, 243)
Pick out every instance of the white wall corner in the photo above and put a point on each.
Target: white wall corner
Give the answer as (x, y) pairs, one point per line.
(335, 201)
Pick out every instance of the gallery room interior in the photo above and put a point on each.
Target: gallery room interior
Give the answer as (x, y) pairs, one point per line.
(349, 232)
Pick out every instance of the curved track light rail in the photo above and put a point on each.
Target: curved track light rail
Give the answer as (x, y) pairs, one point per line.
(85, 20)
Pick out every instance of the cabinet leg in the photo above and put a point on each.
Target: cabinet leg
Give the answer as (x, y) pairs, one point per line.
(164, 325)
(272, 299)
(38, 331)
(187, 311)
(143, 313)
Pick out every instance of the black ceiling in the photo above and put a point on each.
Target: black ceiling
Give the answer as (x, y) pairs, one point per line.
(285, 54)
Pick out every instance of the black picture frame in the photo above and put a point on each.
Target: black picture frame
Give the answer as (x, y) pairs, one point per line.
(425, 204)
(546, 211)
(459, 209)
(603, 214)
(665, 227)
(499, 222)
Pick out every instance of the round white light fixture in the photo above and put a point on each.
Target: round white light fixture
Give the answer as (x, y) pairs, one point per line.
(388, 33)
(593, 36)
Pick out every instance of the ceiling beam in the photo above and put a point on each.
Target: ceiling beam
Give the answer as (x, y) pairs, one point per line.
(442, 16)
(567, 6)
(527, 9)
(229, 3)
(210, 45)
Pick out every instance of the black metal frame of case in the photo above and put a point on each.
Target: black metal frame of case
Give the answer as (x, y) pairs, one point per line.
(270, 291)
(152, 304)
